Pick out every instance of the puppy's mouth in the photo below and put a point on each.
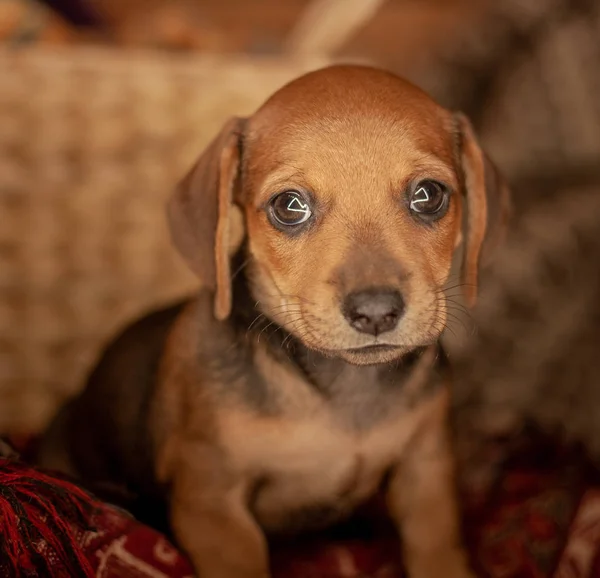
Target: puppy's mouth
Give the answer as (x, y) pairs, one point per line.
(374, 348)
(372, 354)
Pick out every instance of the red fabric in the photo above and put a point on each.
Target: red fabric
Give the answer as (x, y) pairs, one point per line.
(37, 518)
(542, 521)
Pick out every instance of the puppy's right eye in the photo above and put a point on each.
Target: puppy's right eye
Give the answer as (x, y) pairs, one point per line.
(290, 208)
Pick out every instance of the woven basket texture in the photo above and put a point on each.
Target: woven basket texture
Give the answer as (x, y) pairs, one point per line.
(92, 142)
(91, 145)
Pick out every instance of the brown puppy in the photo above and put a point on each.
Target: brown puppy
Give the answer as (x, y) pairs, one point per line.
(307, 375)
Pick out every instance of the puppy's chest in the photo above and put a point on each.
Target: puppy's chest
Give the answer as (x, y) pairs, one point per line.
(314, 463)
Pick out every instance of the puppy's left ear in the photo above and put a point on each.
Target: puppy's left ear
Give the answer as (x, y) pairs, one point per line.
(488, 206)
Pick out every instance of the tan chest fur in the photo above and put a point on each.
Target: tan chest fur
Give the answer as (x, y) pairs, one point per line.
(311, 466)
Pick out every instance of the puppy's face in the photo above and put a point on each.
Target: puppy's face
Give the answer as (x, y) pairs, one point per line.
(353, 213)
(351, 182)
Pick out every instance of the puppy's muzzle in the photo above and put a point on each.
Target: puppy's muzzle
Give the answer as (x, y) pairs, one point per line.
(374, 311)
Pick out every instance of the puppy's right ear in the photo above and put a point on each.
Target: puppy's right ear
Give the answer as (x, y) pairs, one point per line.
(206, 227)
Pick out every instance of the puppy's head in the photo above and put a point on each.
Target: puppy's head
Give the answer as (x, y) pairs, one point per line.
(351, 187)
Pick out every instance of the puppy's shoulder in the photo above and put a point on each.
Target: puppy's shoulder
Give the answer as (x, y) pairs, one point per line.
(196, 335)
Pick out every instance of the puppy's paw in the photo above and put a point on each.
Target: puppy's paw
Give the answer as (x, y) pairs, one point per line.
(450, 564)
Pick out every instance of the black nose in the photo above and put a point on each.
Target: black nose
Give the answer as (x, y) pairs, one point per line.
(374, 311)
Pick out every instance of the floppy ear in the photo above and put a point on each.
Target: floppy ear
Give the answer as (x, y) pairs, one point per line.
(488, 206)
(206, 227)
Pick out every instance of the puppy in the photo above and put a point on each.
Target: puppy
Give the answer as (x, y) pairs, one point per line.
(306, 376)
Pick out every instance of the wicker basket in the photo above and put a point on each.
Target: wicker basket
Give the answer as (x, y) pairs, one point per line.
(91, 144)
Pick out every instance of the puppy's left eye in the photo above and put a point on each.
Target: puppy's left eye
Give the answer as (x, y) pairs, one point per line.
(428, 198)
(290, 208)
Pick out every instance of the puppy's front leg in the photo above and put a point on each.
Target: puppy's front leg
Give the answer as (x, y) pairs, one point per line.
(212, 524)
(423, 503)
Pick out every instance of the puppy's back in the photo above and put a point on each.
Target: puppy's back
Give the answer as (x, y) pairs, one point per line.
(102, 435)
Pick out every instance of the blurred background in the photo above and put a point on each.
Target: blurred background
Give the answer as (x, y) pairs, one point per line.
(104, 104)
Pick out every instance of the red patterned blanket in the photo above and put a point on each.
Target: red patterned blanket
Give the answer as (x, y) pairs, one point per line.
(541, 521)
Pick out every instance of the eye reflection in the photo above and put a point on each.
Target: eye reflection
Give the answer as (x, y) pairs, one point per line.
(290, 209)
(428, 198)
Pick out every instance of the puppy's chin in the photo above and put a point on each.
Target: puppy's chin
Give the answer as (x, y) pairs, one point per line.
(370, 355)
(373, 355)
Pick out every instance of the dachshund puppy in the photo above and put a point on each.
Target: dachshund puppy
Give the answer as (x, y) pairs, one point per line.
(307, 375)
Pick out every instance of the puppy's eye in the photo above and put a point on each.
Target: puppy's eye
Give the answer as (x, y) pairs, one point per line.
(290, 208)
(428, 198)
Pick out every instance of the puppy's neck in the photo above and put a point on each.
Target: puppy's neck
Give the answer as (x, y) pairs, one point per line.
(326, 372)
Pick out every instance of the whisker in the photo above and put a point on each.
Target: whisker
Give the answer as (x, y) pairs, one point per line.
(254, 322)
(288, 296)
(263, 331)
(460, 323)
(240, 269)
(284, 306)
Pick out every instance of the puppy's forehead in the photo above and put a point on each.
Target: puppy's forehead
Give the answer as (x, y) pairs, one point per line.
(350, 117)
